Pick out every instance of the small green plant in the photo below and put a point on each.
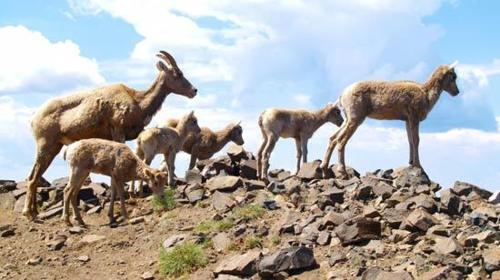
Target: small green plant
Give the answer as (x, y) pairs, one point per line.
(276, 240)
(250, 211)
(252, 241)
(168, 203)
(210, 226)
(182, 259)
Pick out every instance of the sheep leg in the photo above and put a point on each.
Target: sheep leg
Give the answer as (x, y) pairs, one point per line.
(111, 214)
(77, 179)
(140, 192)
(410, 142)
(330, 148)
(344, 137)
(194, 156)
(416, 141)
(299, 154)
(260, 157)
(170, 161)
(267, 153)
(304, 149)
(121, 194)
(44, 157)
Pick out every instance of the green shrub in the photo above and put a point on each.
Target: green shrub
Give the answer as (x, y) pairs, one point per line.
(168, 203)
(250, 211)
(252, 241)
(182, 259)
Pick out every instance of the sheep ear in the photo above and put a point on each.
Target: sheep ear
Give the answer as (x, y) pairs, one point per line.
(191, 113)
(239, 123)
(453, 65)
(148, 173)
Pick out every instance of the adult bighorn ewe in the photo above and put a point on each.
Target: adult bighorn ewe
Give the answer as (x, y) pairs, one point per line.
(209, 142)
(107, 158)
(297, 124)
(400, 100)
(114, 112)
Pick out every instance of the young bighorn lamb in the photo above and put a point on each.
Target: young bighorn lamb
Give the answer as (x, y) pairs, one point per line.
(167, 141)
(209, 142)
(297, 124)
(402, 100)
(109, 158)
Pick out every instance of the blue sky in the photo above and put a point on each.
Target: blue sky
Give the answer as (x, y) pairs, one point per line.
(246, 56)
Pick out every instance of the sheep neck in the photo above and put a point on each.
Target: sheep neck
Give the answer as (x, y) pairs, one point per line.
(150, 100)
(433, 88)
(222, 137)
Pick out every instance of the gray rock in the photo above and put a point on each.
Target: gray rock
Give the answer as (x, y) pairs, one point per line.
(136, 220)
(382, 189)
(374, 273)
(236, 153)
(7, 186)
(288, 260)
(441, 273)
(251, 185)
(223, 183)
(147, 276)
(363, 192)
(336, 257)
(194, 192)
(419, 219)
(358, 230)
(92, 238)
(323, 238)
(222, 202)
(331, 219)
(451, 203)
(310, 170)
(447, 246)
(242, 265)
(34, 261)
(248, 169)
(193, 176)
(57, 243)
(83, 258)
(463, 188)
(491, 258)
(221, 241)
(494, 198)
(330, 197)
(174, 240)
(56, 211)
(75, 230)
(410, 176)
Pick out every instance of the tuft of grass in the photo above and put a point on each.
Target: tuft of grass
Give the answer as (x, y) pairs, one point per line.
(250, 211)
(276, 240)
(252, 241)
(168, 203)
(210, 226)
(182, 259)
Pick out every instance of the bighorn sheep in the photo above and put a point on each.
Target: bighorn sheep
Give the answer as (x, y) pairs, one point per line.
(167, 141)
(115, 112)
(297, 124)
(209, 142)
(400, 100)
(109, 158)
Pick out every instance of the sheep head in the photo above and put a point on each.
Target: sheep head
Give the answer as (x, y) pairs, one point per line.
(173, 77)
(333, 114)
(157, 181)
(236, 133)
(449, 81)
(190, 123)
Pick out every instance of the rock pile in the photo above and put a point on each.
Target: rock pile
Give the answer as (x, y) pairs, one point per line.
(385, 224)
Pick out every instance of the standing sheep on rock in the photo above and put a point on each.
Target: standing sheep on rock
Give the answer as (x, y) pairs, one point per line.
(297, 124)
(167, 141)
(209, 142)
(115, 112)
(401, 100)
(109, 158)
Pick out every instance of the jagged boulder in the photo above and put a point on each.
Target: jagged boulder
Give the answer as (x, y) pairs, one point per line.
(288, 259)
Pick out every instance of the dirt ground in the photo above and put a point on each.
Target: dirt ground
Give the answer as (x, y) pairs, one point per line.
(126, 252)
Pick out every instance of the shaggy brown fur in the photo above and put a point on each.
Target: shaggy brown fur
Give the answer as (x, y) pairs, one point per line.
(167, 141)
(402, 100)
(107, 158)
(114, 112)
(297, 124)
(209, 142)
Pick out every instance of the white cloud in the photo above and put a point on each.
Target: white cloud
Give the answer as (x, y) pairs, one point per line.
(479, 73)
(302, 99)
(30, 62)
